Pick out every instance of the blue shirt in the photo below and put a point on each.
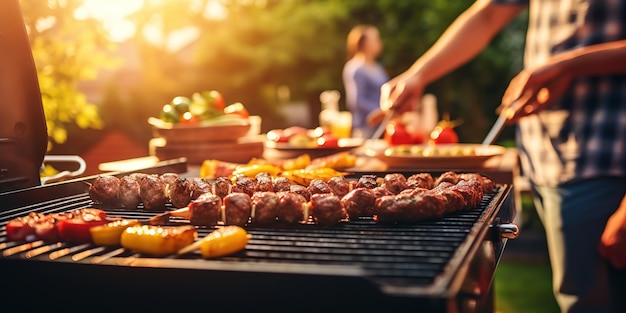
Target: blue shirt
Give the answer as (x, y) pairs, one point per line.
(362, 86)
(583, 135)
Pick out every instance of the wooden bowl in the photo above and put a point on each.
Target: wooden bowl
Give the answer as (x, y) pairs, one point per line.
(198, 133)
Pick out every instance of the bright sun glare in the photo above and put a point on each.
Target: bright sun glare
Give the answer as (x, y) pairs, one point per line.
(113, 15)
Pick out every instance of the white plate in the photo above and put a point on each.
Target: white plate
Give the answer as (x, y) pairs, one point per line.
(445, 156)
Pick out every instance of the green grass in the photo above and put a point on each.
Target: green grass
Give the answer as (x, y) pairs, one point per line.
(524, 287)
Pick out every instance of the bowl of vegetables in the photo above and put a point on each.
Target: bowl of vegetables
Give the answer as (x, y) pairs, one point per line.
(203, 117)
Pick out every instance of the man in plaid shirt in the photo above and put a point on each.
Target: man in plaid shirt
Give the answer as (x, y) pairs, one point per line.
(569, 104)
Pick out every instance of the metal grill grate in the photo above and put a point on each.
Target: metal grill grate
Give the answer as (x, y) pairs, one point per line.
(400, 254)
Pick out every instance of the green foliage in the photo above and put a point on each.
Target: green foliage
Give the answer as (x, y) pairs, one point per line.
(66, 52)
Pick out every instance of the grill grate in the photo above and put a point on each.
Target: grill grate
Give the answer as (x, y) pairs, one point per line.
(400, 254)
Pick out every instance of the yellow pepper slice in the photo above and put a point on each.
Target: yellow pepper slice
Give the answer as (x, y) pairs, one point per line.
(110, 234)
(158, 240)
(220, 242)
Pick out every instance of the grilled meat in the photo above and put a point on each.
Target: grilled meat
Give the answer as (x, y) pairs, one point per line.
(199, 186)
(304, 191)
(292, 208)
(339, 186)
(180, 192)
(265, 204)
(281, 184)
(105, 189)
(367, 181)
(264, 182)
(222, 186)
(359, 202)
(152, 192)
(206, 210)
(327, 209)
(243, 184)
(395, 182)
(422, 180)
(129, 190)
(318, 186)
(237, 208)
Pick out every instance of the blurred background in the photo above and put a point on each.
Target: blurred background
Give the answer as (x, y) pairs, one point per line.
(106, 66)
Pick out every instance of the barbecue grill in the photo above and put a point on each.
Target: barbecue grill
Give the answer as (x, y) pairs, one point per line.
(440, 265)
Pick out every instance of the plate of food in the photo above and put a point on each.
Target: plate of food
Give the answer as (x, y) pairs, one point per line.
(316, 142)
(439, 156)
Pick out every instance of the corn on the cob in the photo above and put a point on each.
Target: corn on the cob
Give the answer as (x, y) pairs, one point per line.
(220, 242)
(158, 240)
(110, 234)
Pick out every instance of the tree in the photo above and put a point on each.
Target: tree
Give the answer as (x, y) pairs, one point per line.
(66, 51)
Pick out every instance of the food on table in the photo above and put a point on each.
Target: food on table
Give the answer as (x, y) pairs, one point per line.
(444, 132)
(158, 240)
(110, 233)
(431, 150)
(223, 241)
(300, 137)
(205, 108)
(397, 132)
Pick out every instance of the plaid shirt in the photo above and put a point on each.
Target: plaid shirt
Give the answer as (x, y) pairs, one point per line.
(584, 134)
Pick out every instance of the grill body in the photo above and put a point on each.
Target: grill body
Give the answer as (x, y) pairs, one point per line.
(442, 265)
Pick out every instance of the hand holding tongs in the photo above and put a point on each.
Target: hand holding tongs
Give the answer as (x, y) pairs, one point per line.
(498, 126)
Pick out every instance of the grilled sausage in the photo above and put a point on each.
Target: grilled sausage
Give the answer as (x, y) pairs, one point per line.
(407, 208)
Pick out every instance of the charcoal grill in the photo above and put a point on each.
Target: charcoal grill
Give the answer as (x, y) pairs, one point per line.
(441, 265)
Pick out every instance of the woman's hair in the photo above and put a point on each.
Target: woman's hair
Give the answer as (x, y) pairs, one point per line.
(356, 39)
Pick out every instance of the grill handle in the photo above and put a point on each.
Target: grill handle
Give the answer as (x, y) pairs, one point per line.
(508, 230)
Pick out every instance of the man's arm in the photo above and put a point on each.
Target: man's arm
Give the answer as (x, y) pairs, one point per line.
(465, 38)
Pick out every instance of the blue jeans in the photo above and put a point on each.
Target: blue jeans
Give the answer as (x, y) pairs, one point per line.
(574, 216)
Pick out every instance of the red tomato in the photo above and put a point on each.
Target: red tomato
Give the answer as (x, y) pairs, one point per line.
(328, 141)
(397, 134)
(76, 227)
(238, 109)
(214, 98)
(189, 118)
(444, 134)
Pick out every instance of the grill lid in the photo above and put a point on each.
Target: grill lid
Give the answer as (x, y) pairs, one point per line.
(23, 134)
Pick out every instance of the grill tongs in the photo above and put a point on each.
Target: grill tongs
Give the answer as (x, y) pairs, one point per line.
(498, 126)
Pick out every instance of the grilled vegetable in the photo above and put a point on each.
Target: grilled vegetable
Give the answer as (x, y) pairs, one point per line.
(76, 227)
(223, 241)
(110, 234)
(305, 176)
(252, 170)
(158, 240)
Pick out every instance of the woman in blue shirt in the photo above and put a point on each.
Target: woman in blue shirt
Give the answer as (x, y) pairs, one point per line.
(363, 76)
